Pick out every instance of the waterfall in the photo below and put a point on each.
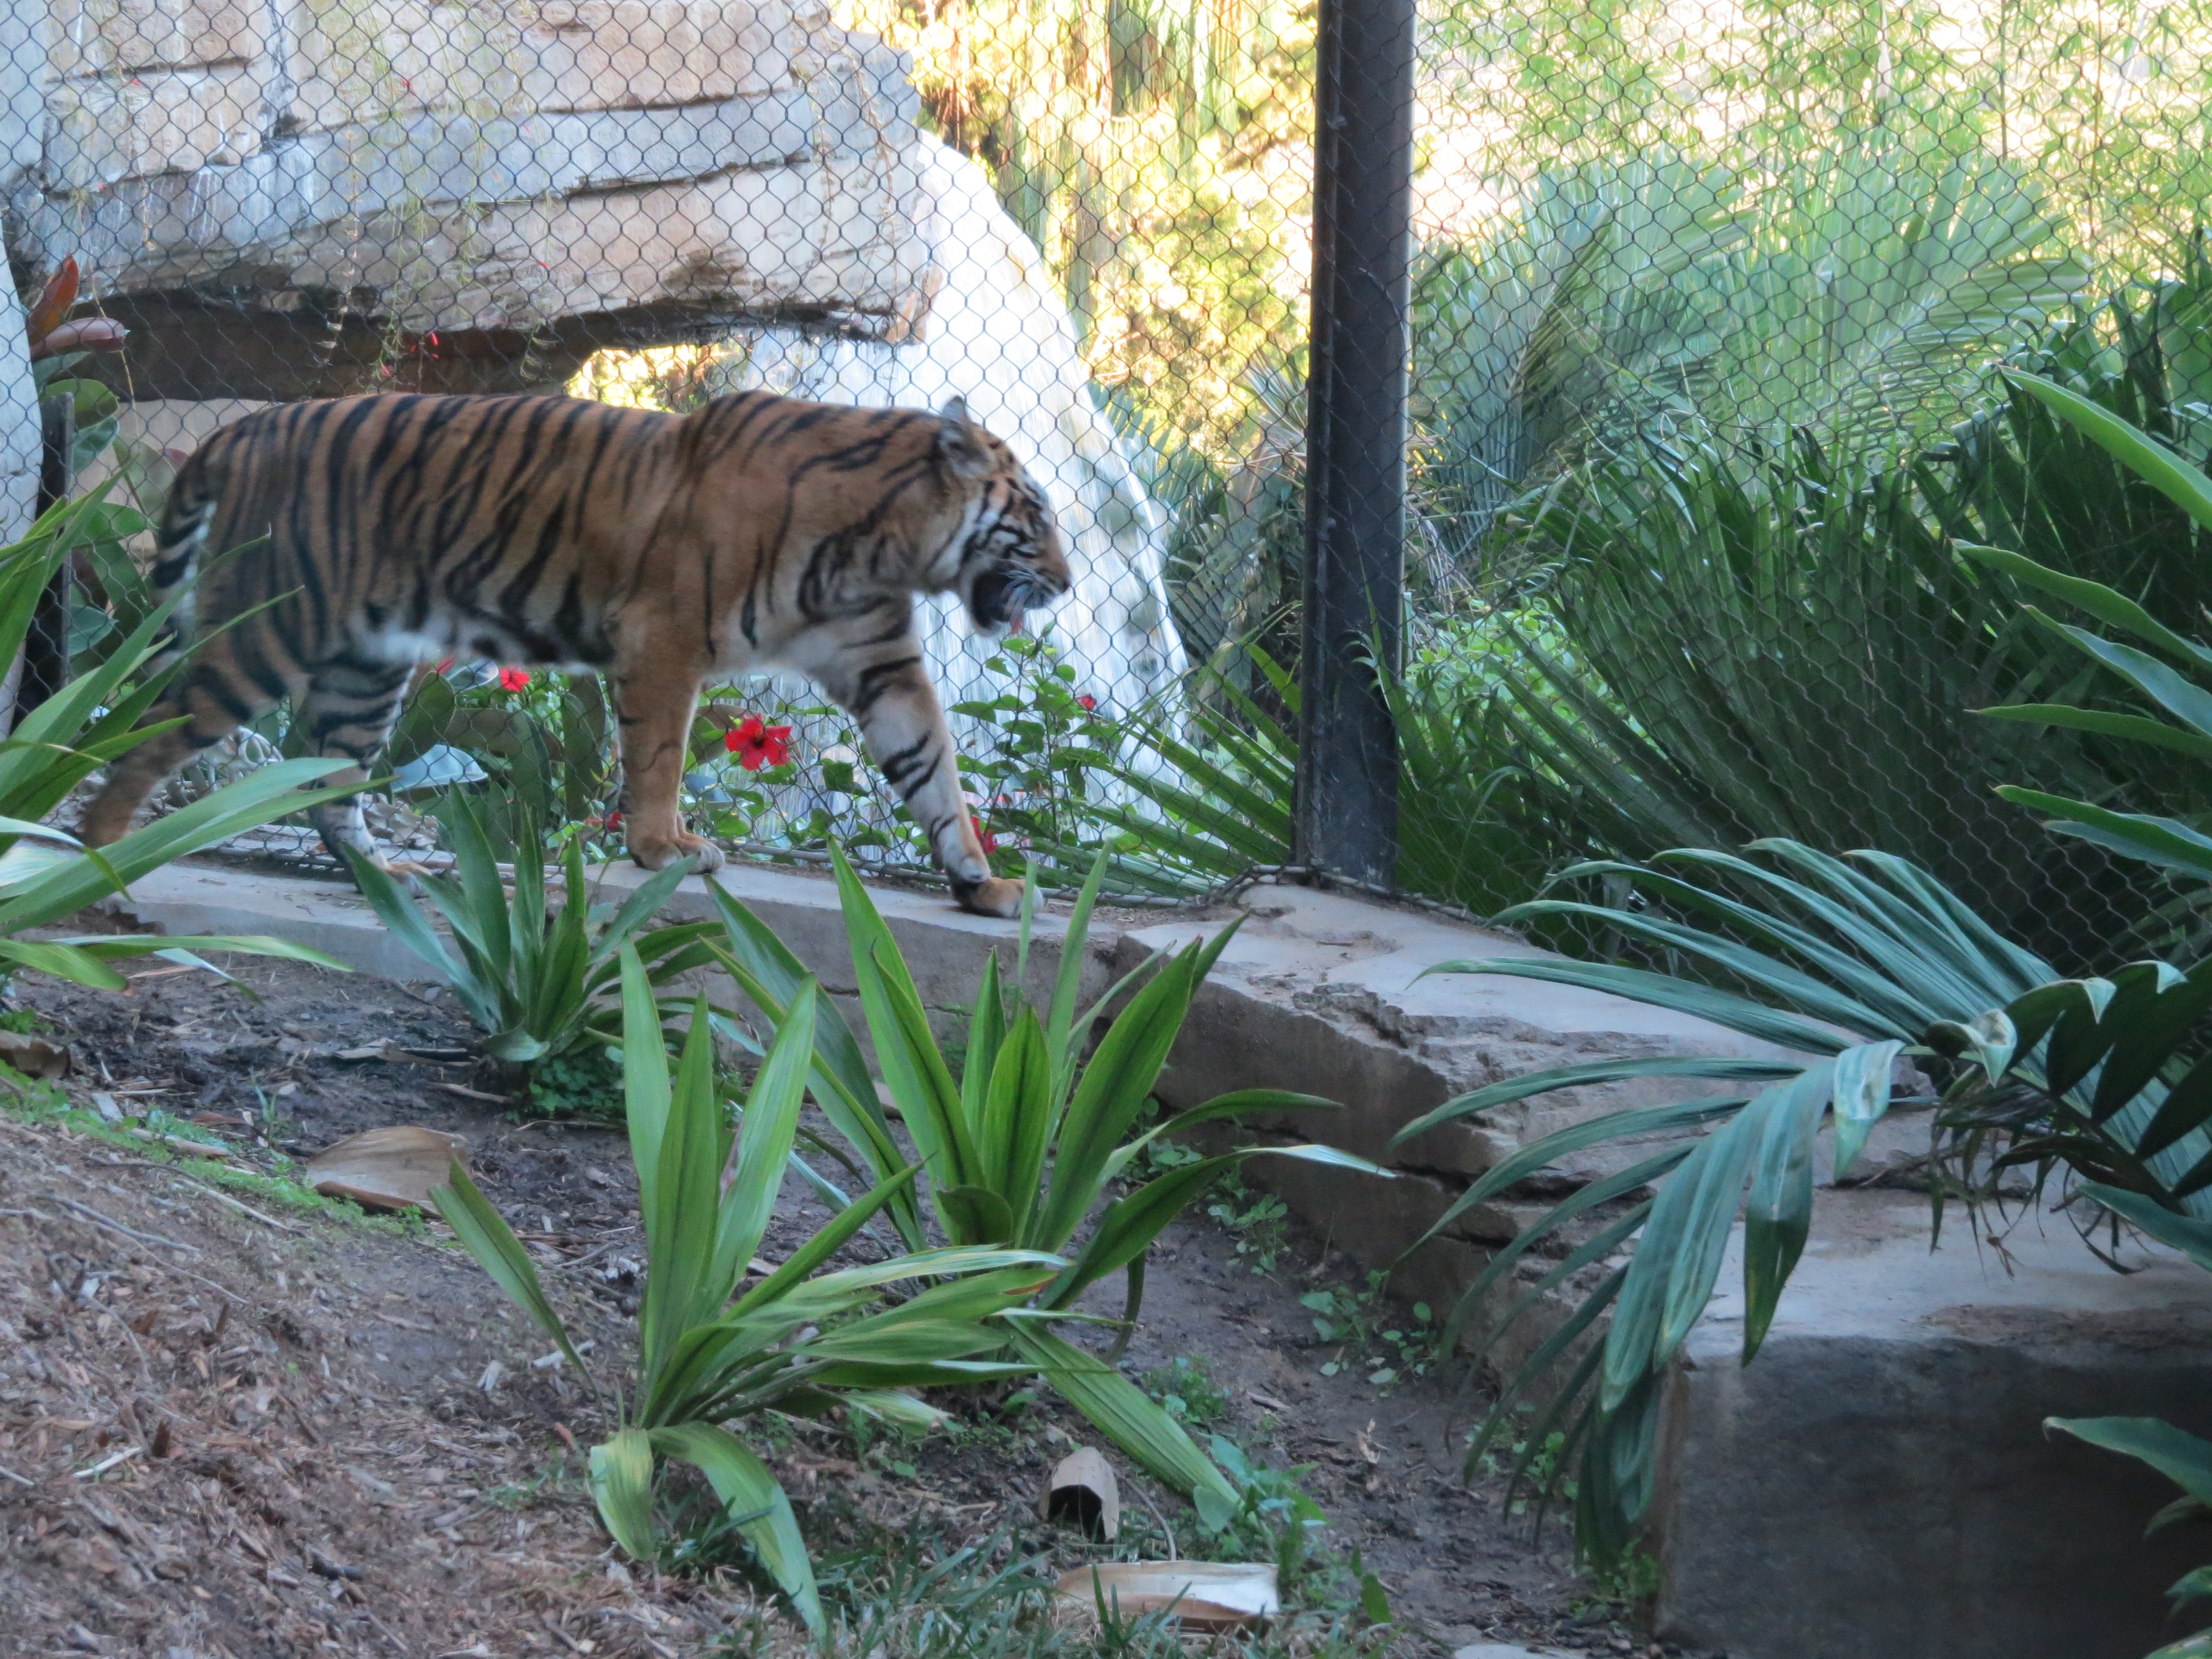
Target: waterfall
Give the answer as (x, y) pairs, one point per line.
(997, 333)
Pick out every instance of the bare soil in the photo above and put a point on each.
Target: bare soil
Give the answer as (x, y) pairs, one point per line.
(230, 1429)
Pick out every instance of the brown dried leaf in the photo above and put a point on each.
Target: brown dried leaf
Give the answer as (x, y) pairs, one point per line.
(394, 1168)
(34, 1057)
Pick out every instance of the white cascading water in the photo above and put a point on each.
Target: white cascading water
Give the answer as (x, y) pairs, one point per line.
(998, 334)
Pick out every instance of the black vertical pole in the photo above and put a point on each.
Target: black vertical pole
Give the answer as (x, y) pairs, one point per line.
(45, 643)
(1348, 785)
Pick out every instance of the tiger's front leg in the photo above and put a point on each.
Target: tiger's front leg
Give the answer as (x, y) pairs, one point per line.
(882, 683)
(654, 699)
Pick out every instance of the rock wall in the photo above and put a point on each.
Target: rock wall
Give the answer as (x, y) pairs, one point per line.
(415, 170)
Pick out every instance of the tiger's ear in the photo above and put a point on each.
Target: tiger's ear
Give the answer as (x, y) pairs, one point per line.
(960, 446)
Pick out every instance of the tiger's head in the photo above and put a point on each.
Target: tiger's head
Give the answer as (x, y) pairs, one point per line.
(1005, 558)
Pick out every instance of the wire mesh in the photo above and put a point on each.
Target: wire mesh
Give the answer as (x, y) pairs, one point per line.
(1707, 299)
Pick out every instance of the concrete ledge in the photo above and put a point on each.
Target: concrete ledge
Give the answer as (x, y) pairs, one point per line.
(1877, 1484)
(1317, 993)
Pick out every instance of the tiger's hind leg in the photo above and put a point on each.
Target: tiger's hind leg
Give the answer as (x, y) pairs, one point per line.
(209, 708)
(351, 705)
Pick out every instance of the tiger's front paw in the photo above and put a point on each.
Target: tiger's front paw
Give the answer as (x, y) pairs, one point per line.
(994, 895)
(659, 854)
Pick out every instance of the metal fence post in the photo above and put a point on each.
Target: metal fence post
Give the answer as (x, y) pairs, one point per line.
(1346, 815)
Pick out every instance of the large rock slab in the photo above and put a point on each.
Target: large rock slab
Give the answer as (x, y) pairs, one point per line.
(412, 169)
(1317, 993)
(1878, 1485)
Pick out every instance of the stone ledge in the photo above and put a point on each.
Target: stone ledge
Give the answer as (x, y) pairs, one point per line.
(1877, 1484)
(154, 231)
(1318, 993)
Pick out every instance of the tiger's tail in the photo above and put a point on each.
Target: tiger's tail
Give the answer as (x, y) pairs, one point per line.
(187, 516)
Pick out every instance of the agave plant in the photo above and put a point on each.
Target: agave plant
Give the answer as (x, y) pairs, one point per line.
(45, 875)
(1022, 1147)
(1852, 964)
(713, 1351)
(539, 983)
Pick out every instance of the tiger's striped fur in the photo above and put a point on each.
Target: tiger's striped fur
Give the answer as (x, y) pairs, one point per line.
(346, 541)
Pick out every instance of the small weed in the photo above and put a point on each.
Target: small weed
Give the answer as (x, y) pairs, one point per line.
(586, 1083)
(1161, 1156)
(23, 1022)
(1368, 1330)
(556, 1482)
(1631, 1582)
(1541, 1473)
(1258, 1220)
(1187, 1390)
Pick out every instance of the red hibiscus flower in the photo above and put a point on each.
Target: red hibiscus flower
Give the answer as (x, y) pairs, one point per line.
(990, 842)
(1088, 703)
(513, 679)
(756, 744)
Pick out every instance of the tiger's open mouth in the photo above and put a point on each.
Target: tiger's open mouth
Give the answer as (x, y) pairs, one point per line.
(1002, 598)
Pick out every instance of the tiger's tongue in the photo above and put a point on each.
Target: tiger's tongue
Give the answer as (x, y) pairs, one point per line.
(1014, 621)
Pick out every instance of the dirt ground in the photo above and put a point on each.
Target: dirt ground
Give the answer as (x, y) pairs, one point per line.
(226, 1430)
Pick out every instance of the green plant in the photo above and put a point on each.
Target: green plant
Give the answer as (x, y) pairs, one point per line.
(2171, 676)
(586, 1082)
(46, 876)
(1363, 1324)
(1037, 748)
(535, 981)
(1186, 1389)
(1259, 1223)
(1536, 1467)
(1022, 1147)
(1272, 1512)
(1701, 592)
(1213, 787)
(1620, 301)
(1863, 962)
(2184, 1459)
(798, 1340)
(908, 1594)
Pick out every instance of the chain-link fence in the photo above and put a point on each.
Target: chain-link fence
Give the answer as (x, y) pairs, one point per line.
(1701, 310)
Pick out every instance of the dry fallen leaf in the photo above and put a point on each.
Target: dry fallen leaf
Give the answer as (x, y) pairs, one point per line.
(1083, 1490)
(1206, 1595)
(33, 1056)
(394, 1168)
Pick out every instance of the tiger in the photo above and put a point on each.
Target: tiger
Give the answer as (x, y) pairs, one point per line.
(321, 551)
